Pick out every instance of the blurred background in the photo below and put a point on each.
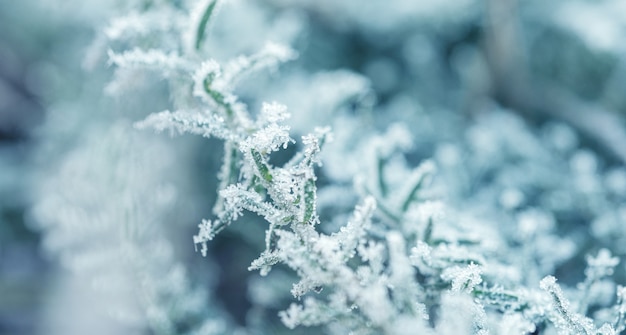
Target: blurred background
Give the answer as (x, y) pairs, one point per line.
(440, 67)
(24, 273)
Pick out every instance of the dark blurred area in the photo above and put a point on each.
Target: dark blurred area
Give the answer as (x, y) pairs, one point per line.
(24, 47)
(23, 271)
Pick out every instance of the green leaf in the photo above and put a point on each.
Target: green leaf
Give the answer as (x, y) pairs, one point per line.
(206, 16)
(262, 167)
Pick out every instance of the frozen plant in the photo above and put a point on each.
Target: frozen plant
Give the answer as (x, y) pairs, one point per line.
(118, 245)
(104, 204)
(361, 278)
(457, 243)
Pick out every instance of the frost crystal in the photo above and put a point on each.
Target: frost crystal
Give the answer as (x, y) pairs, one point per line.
(151, 59)
(463, 278)
(205, 234)
(273, 112)
(564, 318)
(268, 139)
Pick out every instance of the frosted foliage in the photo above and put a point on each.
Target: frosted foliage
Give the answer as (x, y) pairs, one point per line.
(268, 139)
(429, 210)
(566, 320)
(122, 240)
(355, 228)
(451, 321)
(421, 256)
(187, 122)
(205, 233)
(463, 279)
(515, 324)
(207, 69)
(150, 59)
(273, 112)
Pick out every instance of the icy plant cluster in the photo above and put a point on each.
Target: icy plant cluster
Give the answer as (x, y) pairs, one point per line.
(466, 242)
(119, 244)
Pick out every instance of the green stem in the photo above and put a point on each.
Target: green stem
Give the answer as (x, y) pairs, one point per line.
(380, 170)
(309, 200)
(218, 97)
(412, 195)
(428, 231)
(201, 32)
